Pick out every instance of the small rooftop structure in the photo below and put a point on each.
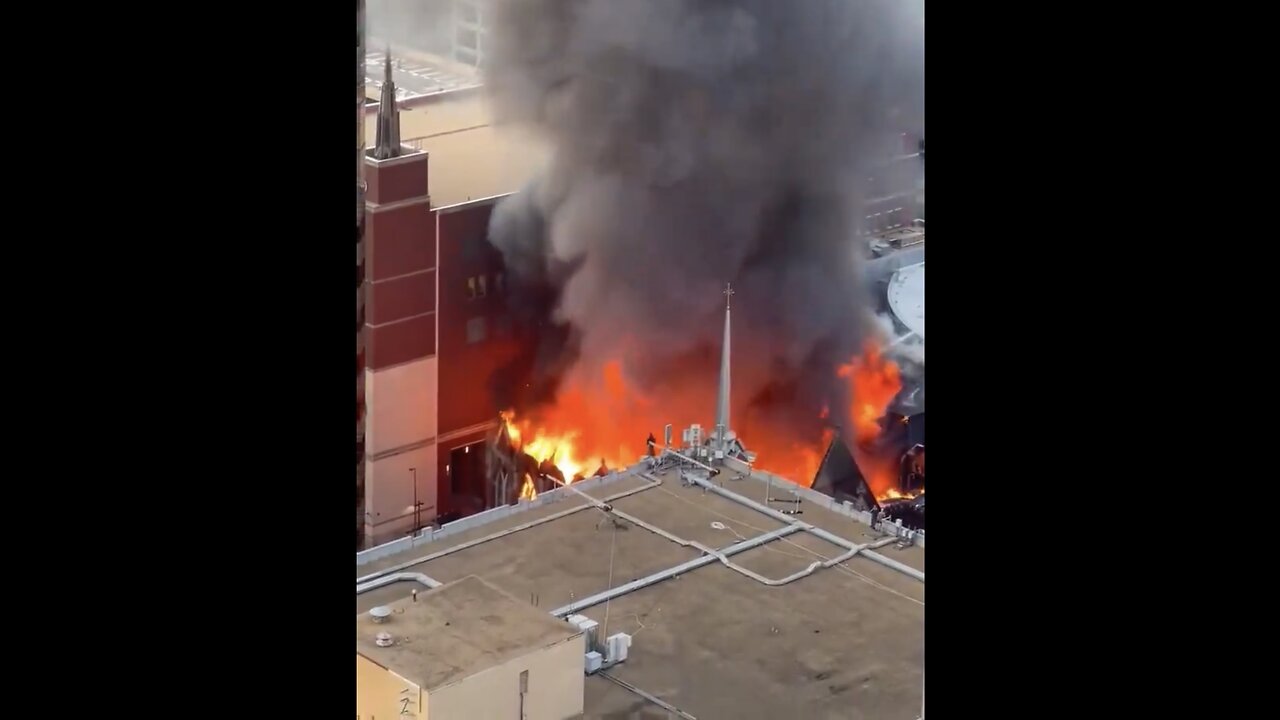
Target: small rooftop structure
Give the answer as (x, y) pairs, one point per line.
(844, 641)
(455, 631)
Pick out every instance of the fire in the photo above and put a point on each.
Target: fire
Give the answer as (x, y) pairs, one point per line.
(873, 383)
(895, 494)
(560, 449)
(600, 417)
(526, 490)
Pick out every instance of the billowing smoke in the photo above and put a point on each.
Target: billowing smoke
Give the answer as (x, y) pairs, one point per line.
(422, 25)
(695, 143)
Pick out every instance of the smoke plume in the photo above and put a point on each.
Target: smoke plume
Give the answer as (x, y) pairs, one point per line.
(699, 142)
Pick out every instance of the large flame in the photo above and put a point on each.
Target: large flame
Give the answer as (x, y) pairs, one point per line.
(561, 449)
(873, 383)
(603, 416)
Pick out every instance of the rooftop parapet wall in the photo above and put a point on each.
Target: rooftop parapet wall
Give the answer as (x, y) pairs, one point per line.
(470, 522)
(846, 509)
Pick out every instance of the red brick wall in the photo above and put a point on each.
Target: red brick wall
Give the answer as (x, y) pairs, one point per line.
(466, 367)
(399, 263)
(398, 179)
(400, 342)
(399, 241)
(401, 297)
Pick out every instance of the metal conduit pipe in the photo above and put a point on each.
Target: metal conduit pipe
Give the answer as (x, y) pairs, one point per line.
(685, 458)
(843, 557)
(654, 482)
(851, 550)
(792, 577)
(875, 556)
(802, 573)
(647, 696)
(682, 568)
(829, 537)
(895, 565)
(655, 529)
(398, 577)
(899, 341)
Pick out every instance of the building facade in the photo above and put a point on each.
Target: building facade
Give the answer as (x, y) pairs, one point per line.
(469, 34)
(895, 190)
(433, 325)
(467, 651)
(436, 329)
(432, 330)
(360, 103)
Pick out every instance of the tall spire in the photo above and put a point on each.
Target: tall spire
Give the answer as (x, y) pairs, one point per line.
(388, 138)
(722, 398)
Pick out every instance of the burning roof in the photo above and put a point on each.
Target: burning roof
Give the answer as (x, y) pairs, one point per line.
(657, 193)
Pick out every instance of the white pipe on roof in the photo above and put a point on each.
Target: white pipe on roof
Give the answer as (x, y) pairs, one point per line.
(398, 577)
(790, 526)
(686, 458)
(829, 537)
(671, 572)
(852, 550)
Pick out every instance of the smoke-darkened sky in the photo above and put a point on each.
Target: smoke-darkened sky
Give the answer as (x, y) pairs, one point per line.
(699, 142)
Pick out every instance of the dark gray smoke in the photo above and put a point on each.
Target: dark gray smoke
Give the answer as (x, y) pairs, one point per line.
(699, 142)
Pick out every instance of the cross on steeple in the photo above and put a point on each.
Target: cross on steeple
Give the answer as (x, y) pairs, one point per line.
(728, 293)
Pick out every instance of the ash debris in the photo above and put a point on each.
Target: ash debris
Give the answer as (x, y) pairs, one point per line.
(697, 142)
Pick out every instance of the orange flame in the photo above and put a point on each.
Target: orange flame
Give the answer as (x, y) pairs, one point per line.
(873, 383)
(895, 494)
(526, 490)
(601, 414)
(560, 449)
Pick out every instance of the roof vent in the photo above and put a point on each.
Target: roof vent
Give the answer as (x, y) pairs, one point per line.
(380, 614)
(384, 639)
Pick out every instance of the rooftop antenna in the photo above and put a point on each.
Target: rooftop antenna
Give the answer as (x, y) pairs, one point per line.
(722, 399)
(388, 136)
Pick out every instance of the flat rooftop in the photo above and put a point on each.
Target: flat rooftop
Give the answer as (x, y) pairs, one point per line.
(843, 642)
(455, 631)
(416, 74)
(444, 111)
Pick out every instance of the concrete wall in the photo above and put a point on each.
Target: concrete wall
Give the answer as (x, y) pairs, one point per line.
(401, 403)
(784, 488)
(389, 493)
(426, 537)
(556, 683)
(381, 694)
(400, 433)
